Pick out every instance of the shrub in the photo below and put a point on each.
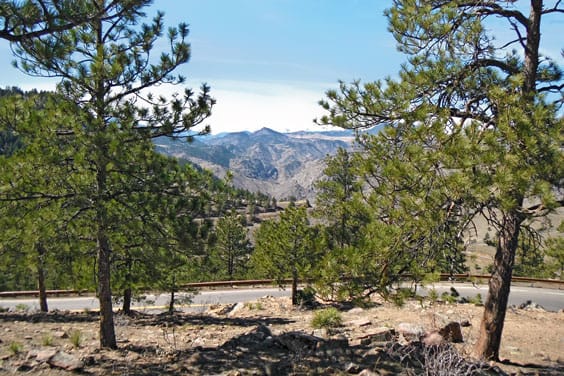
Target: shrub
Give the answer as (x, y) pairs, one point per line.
(327, 318)
(253, 306)
(476, 300)
(15, 348)
(433, 295)
(449, 298)
(47, 340)
(75, 337)
(22, 307)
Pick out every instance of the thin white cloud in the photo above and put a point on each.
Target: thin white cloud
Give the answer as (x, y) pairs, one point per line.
(248, 105)
(251, 106)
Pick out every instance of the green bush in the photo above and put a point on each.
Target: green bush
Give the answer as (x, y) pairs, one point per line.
(433, 295)
(476, 300)
(75, 337)
(21, 307)
(47, 340)
(15, 348)
(327, 318)
(449, 298)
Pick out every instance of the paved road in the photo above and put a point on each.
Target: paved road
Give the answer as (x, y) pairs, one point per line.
(550, 299)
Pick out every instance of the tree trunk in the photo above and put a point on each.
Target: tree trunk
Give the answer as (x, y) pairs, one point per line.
(491, 327)
(107, 331)
(172, 297)
(531, 61)
(230, 261)
(126, 308)
(41, 252)
(295, 288)
(171, 303)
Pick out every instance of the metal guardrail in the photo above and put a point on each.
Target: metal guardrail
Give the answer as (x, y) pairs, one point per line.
(263, 282)
(14, 294)
(446, 277)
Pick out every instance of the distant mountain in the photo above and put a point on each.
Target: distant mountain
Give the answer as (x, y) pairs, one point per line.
(279, 164)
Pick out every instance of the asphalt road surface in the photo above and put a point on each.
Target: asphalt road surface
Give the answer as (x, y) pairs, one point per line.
(549, 299)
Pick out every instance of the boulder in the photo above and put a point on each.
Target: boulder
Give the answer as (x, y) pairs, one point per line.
(355, 310)
(410, 332)
(298, 342)
(381, 334)
(65, 361)
(60, 334)
(452, 332)
(45, 355)
(360, 323)
(234, 309)
(433, 339)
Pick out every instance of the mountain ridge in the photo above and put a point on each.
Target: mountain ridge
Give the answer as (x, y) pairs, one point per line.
(282, 165)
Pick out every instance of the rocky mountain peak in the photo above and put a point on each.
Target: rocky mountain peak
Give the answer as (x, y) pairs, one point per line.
(282, 165)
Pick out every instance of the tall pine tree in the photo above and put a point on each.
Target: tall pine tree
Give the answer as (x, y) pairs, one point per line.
(106, 65)
(473, 129)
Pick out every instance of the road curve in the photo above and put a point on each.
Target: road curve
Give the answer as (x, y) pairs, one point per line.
(549, 299)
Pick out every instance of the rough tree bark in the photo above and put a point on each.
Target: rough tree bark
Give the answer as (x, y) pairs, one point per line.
(41, 252)
(495, 307)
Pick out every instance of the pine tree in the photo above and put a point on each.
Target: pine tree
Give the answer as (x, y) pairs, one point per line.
(106, 66)
(232, 248)
(286, 248)
(473, 129)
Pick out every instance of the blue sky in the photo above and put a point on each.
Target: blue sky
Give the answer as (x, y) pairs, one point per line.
(269, 62)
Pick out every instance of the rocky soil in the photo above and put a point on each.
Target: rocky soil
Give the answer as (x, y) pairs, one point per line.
(270, 337)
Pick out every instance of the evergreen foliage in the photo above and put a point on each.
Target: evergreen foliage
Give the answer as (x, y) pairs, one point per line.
(232, 249)
(472, 129)
(114, 187)
(287, 248)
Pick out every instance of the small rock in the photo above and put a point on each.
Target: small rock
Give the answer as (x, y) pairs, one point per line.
(355, 311)
(465, 323)
(411, 332)
(132, 357)
(452, 332)
(352, 368)
(65, 361)
(375, 335)
(237, 307)
(221, 309)
(367, 372)
(264, 330)
(401, 340)
(360, 323)
(44, 355)
(298, 342)
(433, 339)
(234, 372)
(60, 334)
(322, 333)
(195, 358)
(25, 366)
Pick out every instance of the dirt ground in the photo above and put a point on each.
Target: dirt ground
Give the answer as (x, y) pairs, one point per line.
(220, 340)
